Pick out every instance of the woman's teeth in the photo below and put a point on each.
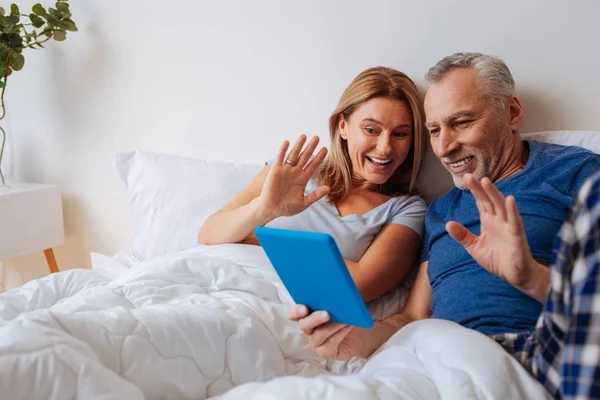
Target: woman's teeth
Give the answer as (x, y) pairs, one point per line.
(379, 161)
(462, 162)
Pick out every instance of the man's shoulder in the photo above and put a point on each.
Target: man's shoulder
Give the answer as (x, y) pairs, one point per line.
(564, 168)
(559, 157)
(553, 151)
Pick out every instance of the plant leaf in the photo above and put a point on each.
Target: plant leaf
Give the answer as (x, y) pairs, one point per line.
(14, 9)
(1, 71)
(65, 25)
(39, 10)
(52, 20)
(16, 61)
(60, 36)
(13, 19)
(4, 55)
(62, 6)
(15, 40)
(2, 11)
(36, 21)
(69, 25)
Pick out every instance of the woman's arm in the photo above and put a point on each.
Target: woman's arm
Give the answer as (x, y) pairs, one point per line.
(387, 261)
(237, 219)
(276, 191)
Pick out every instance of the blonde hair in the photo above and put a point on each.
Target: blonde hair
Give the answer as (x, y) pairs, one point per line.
(371, 83)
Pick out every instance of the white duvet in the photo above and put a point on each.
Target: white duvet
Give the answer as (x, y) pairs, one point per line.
(211, 321)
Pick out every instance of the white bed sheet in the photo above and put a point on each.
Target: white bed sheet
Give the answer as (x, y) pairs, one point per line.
(210, 321)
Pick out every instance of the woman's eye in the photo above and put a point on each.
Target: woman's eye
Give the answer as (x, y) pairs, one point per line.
(400, 134)
(370, 130)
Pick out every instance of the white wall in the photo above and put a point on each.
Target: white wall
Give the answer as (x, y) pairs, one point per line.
(229, 80)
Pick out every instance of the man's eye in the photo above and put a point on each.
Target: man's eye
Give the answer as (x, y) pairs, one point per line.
(434, 131)
(464, 123)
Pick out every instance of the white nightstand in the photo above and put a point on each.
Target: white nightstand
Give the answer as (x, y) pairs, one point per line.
(31, 220)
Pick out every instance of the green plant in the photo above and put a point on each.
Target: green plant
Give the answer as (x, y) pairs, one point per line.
(27, 31)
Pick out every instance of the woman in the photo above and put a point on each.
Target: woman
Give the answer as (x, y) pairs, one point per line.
(361, 194)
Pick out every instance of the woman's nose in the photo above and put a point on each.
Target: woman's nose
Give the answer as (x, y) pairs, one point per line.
(384, 144)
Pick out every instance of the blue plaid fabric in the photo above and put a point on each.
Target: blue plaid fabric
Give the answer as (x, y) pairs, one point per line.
(563, 352)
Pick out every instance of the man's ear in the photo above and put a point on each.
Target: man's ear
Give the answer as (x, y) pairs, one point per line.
(515, 114)
(343, 126)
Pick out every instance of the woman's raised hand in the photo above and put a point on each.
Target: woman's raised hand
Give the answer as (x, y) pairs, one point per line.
(283, 191)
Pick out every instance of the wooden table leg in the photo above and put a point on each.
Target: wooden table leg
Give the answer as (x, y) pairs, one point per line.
(2, 288)
(51, 260)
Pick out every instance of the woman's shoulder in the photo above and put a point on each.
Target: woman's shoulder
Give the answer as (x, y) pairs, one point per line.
(408, 202)
(409, 211)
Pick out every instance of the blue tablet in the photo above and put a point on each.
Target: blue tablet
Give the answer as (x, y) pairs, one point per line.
(314, 273)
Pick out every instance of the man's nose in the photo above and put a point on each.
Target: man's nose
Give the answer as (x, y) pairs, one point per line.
(446, 142)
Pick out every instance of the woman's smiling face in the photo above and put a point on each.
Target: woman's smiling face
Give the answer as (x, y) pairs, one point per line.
(379, 137)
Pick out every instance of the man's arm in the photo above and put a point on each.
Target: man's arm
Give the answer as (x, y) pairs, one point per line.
(342, 342)
(418, 305)
(538, 283)
(501, 247)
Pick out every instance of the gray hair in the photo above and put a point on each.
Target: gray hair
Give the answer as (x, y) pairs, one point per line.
(493, 72)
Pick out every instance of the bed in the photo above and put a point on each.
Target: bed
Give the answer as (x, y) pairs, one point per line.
(168, 319)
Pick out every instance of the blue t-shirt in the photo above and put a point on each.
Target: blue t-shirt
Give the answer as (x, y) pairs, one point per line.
(462, 290)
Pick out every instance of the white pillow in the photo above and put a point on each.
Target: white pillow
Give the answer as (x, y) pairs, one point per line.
(587, 139)
(170, 197)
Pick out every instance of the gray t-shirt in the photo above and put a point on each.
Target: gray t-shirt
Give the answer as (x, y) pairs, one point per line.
(354, 233)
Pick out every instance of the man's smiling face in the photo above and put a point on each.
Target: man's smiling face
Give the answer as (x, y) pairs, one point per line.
(468, 131)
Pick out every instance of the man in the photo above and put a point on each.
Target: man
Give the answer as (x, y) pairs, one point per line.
(489, 270)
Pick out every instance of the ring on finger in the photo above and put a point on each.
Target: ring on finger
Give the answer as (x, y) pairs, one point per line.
(292, 163)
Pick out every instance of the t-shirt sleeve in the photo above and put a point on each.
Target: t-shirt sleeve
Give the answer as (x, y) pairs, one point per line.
(410, 213)
(425, 248)
(433, 222)
(587, 168)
